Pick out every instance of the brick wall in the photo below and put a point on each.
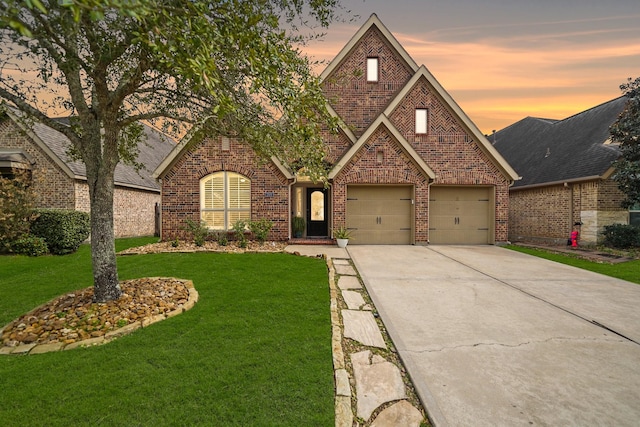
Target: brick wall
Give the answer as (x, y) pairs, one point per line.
(133, 210)
(181, 187)
(53, 187)
(547, 214)
(540, 214)
(396, 168)
(450, 151)
(354, 99)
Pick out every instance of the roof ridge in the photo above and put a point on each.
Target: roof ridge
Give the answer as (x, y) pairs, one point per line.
(592, 108)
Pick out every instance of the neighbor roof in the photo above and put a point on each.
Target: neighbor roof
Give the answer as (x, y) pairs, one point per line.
(545, 151)
(55, 144)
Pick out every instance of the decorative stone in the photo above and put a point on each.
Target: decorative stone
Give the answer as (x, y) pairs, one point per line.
(362, 327)
(343, 388)
(353, 299)
(46, 348)
(345, 270)
(344, 415)
(402, 413)
(349, 282)
(376, 383)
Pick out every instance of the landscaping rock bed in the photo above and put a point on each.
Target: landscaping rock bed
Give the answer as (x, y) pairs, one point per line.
(74, 317)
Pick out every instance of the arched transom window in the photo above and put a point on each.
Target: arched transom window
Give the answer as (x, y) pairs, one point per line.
(225, 197)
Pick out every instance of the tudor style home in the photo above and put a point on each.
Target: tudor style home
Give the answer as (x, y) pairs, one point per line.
(407, 167)
(566, 168)
(61, 183)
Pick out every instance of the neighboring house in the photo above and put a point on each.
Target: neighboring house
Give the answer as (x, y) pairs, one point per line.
(61, 183)
(566, 168)
(408, 166)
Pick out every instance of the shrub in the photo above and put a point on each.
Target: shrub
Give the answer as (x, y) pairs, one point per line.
(17, 203)
(621, 236)
(30, 245)
(239, 228)
(260, 229)
(199, 231)
(222, 238)
(63, 230)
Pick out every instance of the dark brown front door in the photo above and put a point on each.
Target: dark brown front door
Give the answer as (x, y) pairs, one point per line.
(317, 212)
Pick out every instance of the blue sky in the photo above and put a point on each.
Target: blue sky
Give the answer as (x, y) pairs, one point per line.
(503, 60)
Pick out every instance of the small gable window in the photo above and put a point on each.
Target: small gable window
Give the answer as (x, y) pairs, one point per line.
(372, 70)
(225, 197)
(421, 120)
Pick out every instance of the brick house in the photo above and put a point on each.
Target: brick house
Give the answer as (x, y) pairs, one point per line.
(61, 183)
(566, 168)
(407, 167)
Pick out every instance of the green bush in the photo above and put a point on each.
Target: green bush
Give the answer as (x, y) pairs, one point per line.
(239, 227)
(260, 229)
(223, 238)
(199, 231)
(30, 245)
(63, 230)
(621, 236)
(17, 203)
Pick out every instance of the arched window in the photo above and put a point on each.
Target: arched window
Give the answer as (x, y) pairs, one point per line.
(225, 197)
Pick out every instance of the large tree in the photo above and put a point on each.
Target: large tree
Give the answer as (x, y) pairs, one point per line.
(626, 131)
(227, 67)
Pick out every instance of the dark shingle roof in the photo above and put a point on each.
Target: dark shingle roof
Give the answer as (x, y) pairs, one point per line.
(151, 155)
(544, 150)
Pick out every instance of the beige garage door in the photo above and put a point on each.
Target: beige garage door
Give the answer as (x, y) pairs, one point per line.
(379, 215)
(461, 215)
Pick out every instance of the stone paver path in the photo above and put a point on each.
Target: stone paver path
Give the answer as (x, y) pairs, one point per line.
(378, 383)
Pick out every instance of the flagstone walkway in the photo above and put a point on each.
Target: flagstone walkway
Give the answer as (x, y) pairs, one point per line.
(371, 383)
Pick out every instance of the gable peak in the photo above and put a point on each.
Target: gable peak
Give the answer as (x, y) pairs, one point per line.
(372, 22)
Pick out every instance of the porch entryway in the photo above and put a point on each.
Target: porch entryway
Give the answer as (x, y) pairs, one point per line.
(312, 204)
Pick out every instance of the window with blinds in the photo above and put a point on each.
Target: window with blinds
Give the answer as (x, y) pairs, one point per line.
(225, 197)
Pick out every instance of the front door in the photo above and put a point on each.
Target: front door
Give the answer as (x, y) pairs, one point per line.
(317, 212)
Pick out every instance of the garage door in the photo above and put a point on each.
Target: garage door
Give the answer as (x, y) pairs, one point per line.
(379, 215)
(460, 215)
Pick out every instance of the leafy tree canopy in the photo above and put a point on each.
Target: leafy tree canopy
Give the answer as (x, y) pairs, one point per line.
(626, 132)
(221, 67)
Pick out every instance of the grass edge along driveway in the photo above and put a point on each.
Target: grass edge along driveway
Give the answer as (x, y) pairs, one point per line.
(255, 350)
(629, 270)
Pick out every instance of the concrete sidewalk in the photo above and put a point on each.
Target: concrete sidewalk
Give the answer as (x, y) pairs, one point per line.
(495, 337)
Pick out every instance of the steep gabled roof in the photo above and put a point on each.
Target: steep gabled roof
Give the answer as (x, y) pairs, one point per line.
(482, 140)
(548, 151)
(187, 143)
(373, 21)
(382, 120)
(55, 145)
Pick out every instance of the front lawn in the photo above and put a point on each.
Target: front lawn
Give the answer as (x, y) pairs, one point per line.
(629, 270)
(254, 351)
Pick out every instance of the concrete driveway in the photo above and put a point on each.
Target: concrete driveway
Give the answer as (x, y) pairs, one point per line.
(493, 337)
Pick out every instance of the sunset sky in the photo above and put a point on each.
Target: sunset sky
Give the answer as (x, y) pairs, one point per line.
(503, 60)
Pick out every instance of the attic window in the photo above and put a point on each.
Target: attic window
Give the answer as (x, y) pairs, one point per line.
(421, 121)
(372, 70)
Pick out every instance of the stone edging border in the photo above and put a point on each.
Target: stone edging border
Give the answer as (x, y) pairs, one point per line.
(111, 335)
(343, 411)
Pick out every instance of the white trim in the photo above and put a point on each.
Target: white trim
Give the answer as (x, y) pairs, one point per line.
(343, 126)
(382, 120)
(373, 64)
(40, 143)
(457, 111)
(372, 21)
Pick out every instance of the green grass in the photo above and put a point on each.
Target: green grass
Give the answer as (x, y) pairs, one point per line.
(254, 351)
(629, 270)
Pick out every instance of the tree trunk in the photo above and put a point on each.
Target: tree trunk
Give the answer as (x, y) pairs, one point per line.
(103, 253)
